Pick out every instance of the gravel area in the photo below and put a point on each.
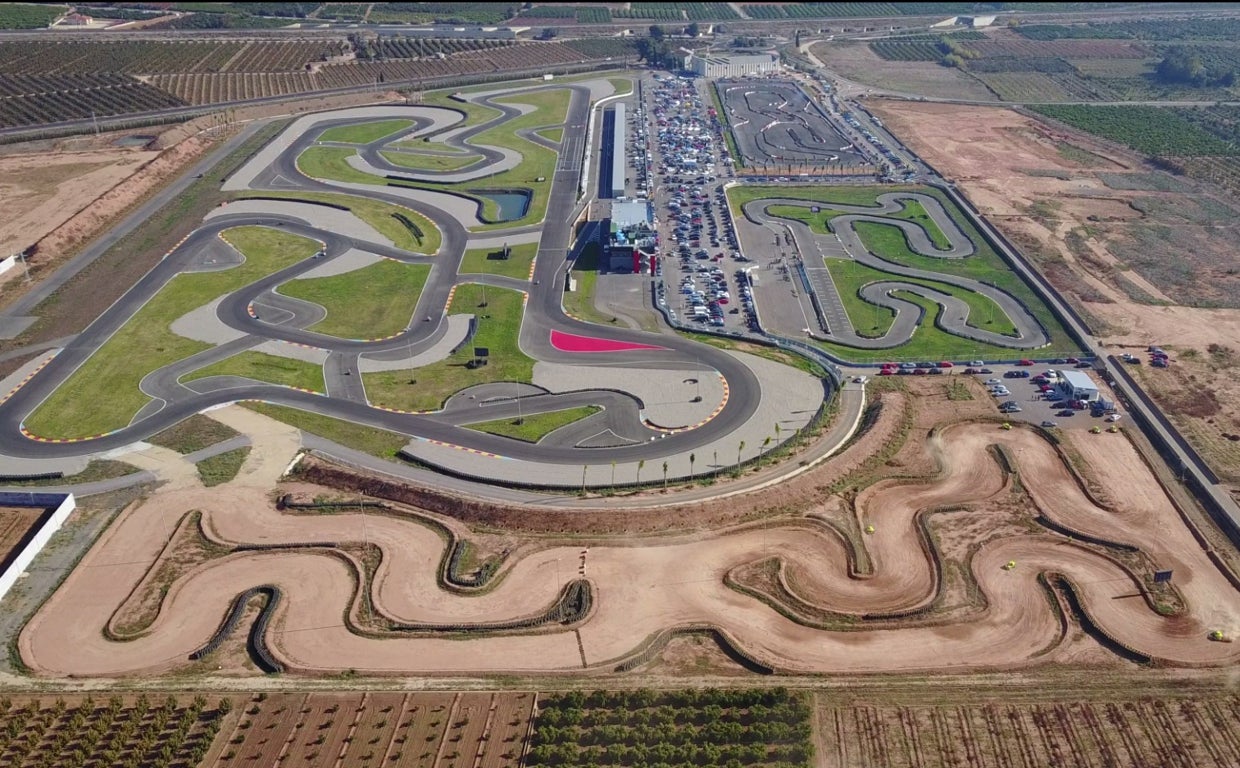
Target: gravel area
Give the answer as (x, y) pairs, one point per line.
(667, 395)
(458, 329)
(788, 397)
(340, 222)
(203, 324)
(350, 260)
(293, 351)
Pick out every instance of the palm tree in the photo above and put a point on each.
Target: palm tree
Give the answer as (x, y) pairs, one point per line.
(765, 443)
(613, 474)
(692, 458)
(665, 475)
(715, 462)
(640, 465)
(739, 449)
(584, 468)
(777, 429)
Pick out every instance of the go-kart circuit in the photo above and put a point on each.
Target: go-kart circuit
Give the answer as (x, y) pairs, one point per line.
(843, 244)
(258, 318)
(775, 123)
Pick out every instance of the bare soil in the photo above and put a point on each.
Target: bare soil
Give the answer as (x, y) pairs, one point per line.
(971, 591)
(1141, 264)
(15, 523)
(855, 61)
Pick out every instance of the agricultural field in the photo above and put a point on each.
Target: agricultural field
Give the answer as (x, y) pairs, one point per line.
(126, 731)
(1202, 142)
(376, 730)
(35, 99)
(1222, 29)
(28, 15)
(999, 732)
(707, 726)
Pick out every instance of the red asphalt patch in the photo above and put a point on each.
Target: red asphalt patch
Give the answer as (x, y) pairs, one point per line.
(571, 342)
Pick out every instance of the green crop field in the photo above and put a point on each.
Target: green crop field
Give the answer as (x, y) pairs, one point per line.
(499, 326)
(423, 237)
(531, 429)
(373, 302)
(78, 408)
(260, 366)
(364, 133)
(486, 261)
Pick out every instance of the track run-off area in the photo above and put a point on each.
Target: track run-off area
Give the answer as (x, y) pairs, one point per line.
(370, 254)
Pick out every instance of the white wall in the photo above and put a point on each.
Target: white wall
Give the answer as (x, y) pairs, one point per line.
(64, 505)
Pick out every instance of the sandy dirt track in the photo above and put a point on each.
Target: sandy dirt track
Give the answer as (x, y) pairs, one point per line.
(647, 585)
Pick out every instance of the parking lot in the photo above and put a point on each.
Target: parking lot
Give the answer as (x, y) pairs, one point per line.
(1029, 393)
(702, 270)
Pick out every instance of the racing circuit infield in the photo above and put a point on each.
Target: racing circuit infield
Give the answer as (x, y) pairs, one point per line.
(775, 123)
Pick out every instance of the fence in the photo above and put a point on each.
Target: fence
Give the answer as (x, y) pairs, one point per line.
(32, 543)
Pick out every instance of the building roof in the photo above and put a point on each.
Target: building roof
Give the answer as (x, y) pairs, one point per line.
(629, 213)
(1078, 380)
(747, 58)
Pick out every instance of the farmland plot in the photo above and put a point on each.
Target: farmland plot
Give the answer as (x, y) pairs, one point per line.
(1146, 732)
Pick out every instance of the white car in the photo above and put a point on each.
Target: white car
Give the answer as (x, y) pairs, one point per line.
(993, 382)
(1114, 417)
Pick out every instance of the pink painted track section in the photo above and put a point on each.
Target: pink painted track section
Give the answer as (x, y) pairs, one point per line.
(570, 342)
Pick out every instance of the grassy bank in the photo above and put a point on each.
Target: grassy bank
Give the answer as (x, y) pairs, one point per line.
(364, 133)
(580, 303)
(531, 429)
(370, 440)
(421, 162)
(486, 261)
(426, 388)
(373, 302)
(384, 217)
(261, 366)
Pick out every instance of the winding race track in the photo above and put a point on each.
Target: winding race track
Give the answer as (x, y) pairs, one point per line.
(257, 314)
(844, 242)
(775, 123)
(831, 619)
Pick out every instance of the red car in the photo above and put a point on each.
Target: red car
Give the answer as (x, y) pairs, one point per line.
(886, 372)
(1025, 362)
(945, 364)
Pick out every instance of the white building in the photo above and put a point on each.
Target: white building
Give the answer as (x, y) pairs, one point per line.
(732, 66)
(1078, 386)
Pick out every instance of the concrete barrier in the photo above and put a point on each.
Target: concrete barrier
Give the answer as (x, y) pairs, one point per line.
(59, 505)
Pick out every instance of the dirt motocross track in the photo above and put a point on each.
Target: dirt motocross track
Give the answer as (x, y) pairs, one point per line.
(644, 585)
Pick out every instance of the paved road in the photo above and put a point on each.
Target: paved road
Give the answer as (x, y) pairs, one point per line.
(173, 401)
(846, 243)
(775, 122)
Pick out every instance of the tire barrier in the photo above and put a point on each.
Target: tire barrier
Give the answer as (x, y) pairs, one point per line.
(456, 550)
(1046, 522)
(268, 198)
(659, 641)
(29, 478)
(256, 644)
(571, 606)
(1065, 588)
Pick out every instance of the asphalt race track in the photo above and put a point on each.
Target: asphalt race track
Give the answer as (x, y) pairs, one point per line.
(174, 401)
(775, 123)
(846, 243)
